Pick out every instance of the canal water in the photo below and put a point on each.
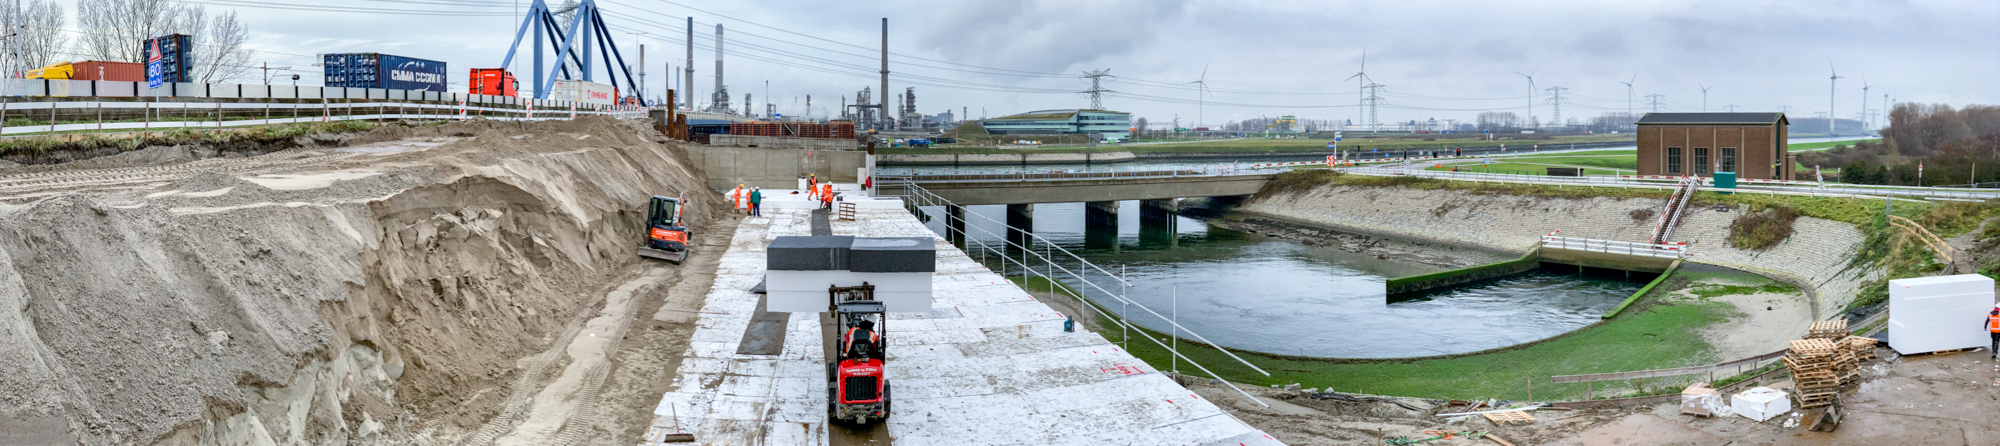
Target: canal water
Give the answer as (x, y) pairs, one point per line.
(1254, 292)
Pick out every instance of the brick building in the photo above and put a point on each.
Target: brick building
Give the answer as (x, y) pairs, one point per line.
(1750, 144)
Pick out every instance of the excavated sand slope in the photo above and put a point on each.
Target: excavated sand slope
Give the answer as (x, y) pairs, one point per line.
(379, 293)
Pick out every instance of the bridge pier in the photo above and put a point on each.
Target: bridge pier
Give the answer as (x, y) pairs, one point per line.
(1101, 212)
(1020, 223)
(954, 225)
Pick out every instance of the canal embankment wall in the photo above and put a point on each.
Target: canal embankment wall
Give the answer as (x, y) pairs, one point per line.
(1814, 258)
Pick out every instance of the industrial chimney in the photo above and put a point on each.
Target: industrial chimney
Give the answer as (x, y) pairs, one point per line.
(721, 93)
(687, 89)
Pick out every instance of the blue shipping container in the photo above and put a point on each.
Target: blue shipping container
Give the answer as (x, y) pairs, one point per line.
(176, 63)
(376, 70)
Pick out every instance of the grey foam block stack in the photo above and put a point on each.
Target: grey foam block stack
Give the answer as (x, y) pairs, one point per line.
(814, 253)
(893, 255)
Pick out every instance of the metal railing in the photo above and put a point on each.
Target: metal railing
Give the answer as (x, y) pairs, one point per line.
(1665, 250)
(1050, 262)
(1736, 367)
(1060, 176)
(1743, 186)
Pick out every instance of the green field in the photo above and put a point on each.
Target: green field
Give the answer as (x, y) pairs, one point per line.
(1521, 169)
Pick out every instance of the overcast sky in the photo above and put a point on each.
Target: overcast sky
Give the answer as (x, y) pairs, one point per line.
(1263, 58)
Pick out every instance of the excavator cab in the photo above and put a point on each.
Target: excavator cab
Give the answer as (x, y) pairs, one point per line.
(857, 388)
(666, 235)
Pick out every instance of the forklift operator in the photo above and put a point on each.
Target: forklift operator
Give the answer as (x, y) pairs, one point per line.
(862, 330)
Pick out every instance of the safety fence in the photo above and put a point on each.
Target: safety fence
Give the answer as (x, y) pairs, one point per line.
(1021, 253)
(1671, 250)
(52, 106)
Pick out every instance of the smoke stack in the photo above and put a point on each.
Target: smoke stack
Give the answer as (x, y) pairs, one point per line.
(687, 90)
(885, 70)
(718, 65)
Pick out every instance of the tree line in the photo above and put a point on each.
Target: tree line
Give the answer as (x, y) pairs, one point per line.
(1953, 146)
(115, 31)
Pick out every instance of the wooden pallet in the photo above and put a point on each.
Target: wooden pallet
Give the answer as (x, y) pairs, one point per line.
(1813, 347)
(1834, 329)
(847, 211)
(1944, 352)
(1510, 417)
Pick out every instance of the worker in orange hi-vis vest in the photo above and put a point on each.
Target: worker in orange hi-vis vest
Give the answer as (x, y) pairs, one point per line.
(812, 186)
(826, 195)
(1993, 327)
(736, 197)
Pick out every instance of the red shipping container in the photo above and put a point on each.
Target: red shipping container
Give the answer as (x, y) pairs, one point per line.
(111, 71)
(493, 81)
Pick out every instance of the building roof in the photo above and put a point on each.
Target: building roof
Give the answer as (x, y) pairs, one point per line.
(1713, 118)
(1052, 114)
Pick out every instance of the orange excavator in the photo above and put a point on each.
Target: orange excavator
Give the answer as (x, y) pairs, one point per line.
(666, 235)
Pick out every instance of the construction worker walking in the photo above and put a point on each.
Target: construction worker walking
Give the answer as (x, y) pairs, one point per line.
(756, 202)
(1993, 329)
(812, 186)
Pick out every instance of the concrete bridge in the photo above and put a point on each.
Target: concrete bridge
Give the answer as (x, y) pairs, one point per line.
(1159, 192)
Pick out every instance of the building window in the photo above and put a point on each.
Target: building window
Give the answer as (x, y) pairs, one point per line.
(1700, 161)
(1728, 159)
(1673, 160)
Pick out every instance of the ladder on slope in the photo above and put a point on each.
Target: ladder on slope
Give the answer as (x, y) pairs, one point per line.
(1670, 216)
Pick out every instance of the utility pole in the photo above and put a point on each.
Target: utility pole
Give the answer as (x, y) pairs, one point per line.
(1097, 90)
(687, 80)
(1374, 102)
(1731, 107)
(1784, 109)
(1654, 101)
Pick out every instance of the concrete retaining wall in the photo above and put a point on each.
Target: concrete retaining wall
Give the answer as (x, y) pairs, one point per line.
(1811, 259)
(1002, 159)
(1403, 288)
(767, 168)
(782, 142)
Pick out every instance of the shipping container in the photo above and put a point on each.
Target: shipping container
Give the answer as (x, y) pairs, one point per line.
(98, 70)
(493, 81)
(376, 70)
(176, 56)
(584, 92)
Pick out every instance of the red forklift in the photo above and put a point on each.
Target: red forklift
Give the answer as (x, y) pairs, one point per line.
(856, 388)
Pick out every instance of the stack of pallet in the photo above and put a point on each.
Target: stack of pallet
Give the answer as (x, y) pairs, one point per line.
(1862, 348)
(1817, 366)
(1829, 330)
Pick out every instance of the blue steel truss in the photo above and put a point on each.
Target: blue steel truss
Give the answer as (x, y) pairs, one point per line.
(566, 46)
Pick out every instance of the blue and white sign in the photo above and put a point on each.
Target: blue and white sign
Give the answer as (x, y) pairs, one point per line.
(1331, 145)
(154, 69)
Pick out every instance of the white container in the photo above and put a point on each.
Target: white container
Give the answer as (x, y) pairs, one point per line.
(1760, 403)
(1928, 314)
(584, 92)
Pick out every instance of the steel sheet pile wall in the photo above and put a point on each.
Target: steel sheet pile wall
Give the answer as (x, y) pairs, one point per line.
(801, 130)
(376, 70)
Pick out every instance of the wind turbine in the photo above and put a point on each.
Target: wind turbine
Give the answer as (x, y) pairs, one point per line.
(1628, 93)
(1531, 89)
(1361, 85)
(1704, 96)
(1832, 81)
(1864, 103)
(1200, 98)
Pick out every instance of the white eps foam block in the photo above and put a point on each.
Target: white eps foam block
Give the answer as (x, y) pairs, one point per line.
(1760, 403)
(1928, 314)
(805, 291)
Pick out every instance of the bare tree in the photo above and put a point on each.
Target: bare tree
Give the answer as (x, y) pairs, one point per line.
(221, 55)
(36, 35)
(119, 29)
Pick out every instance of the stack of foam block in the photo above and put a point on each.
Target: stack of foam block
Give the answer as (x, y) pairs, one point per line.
(1817, 368)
